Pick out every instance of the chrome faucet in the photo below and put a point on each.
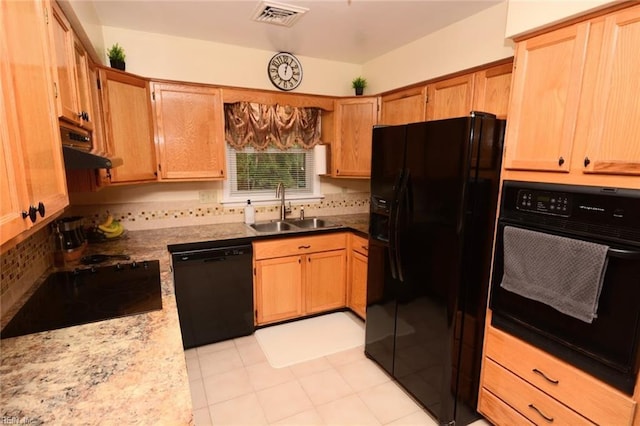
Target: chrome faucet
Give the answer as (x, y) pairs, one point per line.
(280, 193)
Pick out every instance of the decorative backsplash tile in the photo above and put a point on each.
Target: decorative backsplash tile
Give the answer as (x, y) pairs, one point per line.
(156, 215)
(22, 265)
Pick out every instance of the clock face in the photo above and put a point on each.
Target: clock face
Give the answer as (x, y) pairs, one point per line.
(285, 71)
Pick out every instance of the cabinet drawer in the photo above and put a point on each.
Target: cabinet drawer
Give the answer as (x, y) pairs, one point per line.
(526, 399)
(359, 244)
(498, 412)
(580, 391)
(298, 245)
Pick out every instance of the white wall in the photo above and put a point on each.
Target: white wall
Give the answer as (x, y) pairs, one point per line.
(474, 41)
(528, 15)
(83, 15)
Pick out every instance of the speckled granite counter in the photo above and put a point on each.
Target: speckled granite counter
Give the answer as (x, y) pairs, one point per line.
(127, 370)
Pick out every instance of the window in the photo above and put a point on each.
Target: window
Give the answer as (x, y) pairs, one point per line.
(254, 174)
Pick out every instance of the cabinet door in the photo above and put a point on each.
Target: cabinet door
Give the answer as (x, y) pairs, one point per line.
(613, 146)
(358, 284)
(128, 125)
(85, 103)
(407, 106)
(63, 62)
(189, 124)
(547, 82)
(351, 149)
(278, 289)
(325, 281)
(491, 90)
(33, 156)
(450, 98)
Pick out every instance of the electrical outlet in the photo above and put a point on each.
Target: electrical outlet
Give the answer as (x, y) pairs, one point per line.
(207, 196)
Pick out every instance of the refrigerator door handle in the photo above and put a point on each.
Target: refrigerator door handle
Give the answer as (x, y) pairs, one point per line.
(403, 201)
(393, 231)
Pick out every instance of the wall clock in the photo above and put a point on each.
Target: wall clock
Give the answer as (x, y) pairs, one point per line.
(285, 71)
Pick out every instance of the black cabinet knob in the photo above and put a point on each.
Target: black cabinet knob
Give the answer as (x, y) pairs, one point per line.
(41, 209)
(560, 161)
(32, 214)
(586, 161)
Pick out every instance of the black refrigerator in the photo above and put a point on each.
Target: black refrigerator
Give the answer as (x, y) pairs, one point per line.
(434, 195)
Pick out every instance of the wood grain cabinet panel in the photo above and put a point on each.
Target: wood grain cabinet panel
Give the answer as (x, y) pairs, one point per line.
(128, 125)
(325, 281)
(358, 263)
(450, 98)
(351, 144)
(189, 127)
(278, 289)
(492, 88)
(403, 107)
(31, 160)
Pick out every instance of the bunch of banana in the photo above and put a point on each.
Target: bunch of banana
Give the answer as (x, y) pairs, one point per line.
(110, 228)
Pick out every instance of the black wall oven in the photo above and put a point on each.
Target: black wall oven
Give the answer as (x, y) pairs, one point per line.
(606, 348)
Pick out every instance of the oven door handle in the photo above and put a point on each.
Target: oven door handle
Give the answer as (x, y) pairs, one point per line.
(623, 254)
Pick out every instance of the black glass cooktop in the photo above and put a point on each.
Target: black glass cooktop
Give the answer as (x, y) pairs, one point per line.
(88, 295)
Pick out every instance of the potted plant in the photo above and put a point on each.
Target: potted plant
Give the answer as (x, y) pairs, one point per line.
(116, 56)
(359, 84)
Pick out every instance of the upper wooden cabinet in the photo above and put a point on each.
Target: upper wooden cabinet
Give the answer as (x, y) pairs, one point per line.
(353, 122)
(579, 117)
(492, 87)
(128, 125)
(405, 106)
(31, 165)
(70, 71)
(189, 127)
(450, 98)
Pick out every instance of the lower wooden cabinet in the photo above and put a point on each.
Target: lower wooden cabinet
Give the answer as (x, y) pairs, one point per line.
(299, 276)
(521, 381)
(357, 288)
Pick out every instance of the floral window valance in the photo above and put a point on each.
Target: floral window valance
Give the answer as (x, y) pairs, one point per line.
(259, 126)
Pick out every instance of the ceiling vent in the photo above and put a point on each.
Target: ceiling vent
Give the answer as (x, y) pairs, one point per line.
(276, 13)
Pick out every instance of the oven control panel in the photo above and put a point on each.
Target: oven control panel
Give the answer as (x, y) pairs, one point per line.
(555, 203)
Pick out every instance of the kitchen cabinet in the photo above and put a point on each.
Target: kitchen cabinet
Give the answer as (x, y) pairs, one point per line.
(189, 129)
(358, 262)
(519, 380)
(128, 125)
(353, 123)
(70, 70)
(32, 170)
(405, 106)
(492, 87)
(298, 276)
(577, 122)
(450, 98)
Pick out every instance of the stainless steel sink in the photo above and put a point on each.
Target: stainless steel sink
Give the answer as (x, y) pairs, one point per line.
(275, 226)
(312, 223)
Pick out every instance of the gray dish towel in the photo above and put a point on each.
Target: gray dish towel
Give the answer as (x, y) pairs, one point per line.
(563, 273)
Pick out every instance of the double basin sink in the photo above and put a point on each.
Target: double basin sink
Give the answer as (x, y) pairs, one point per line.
(293, 225)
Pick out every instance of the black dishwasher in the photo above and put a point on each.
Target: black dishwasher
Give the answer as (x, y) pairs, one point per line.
(214, 293)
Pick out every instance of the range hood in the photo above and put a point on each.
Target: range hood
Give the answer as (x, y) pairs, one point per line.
(78, 152)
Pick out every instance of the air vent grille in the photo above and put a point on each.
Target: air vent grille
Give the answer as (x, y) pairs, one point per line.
(272, 12)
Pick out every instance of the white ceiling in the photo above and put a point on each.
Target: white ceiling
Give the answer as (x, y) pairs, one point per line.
(352, 31)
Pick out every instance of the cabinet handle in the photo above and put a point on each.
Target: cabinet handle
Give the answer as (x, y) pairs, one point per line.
(544, 416)
(309, 259)
(31, 214)
(41, 209)
(303, 247)
(560, 161)
(547, 378)
(586, 161)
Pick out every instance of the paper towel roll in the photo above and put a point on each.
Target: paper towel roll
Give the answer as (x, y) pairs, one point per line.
(320, 156)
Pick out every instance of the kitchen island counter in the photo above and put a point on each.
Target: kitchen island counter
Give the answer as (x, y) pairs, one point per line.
(126, 370)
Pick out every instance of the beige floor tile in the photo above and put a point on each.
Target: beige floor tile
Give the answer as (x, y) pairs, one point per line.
(193, 368)
(349, 410)
(481, 422)
(347, 356)
(225, 386)
(220, 361)
(244, 340)
(264, 376)
(310, 367)
(388, 402)
(201, 417)
(325, 386)
(282, 401)
(251, 353)
(198, 395)
(362, 374)
(418, 418)
(244, 410)
(215, 347)
(306, 418)
(190, 353)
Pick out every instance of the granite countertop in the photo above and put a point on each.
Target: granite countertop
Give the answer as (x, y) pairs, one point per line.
(126, 370)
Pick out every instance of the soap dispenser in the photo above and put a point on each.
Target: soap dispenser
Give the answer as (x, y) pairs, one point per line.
(249, 213)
